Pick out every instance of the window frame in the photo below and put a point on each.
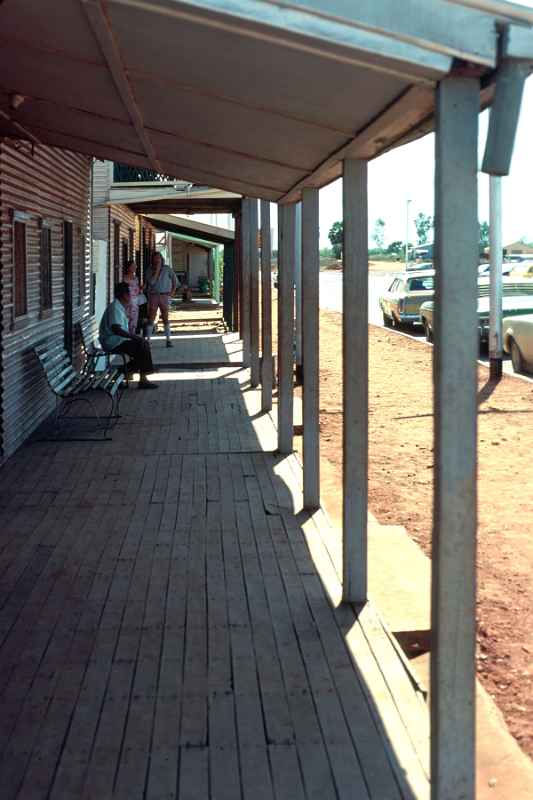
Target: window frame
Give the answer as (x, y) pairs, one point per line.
(19, 218)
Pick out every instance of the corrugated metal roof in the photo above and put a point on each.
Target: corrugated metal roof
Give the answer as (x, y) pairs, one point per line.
(254, 96)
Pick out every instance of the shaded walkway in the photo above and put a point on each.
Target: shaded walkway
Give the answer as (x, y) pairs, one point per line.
(169, 623)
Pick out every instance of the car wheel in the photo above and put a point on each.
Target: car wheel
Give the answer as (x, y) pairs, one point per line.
(516, 357)
(387, 322)
(427, 331)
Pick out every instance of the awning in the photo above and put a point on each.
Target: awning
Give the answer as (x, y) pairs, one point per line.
(189, 228)
(254, 96)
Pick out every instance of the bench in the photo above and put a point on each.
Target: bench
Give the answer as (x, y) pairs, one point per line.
(92, 353)
(69, 386)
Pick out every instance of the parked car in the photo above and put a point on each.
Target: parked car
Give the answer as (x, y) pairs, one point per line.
(507, 268)
(517, 299)
(518, 341)
(400, 304)
(414, 266)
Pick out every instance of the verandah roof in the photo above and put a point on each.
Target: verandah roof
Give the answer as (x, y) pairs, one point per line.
(253, 96)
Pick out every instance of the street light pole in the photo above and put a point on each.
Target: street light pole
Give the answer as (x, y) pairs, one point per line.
(407, 232)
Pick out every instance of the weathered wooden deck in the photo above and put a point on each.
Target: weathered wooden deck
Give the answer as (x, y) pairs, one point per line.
(170, 620)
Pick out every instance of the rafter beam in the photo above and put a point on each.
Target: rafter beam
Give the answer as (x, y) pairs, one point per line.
(105, 37)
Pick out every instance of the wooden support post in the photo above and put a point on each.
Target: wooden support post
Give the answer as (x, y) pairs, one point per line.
(298, 350)
(237, 282)
(310, 348)
(245, 283)
(453, 641)
(355, 380)
(496, 279)
(266, 309)
(285, 327)
(254, 294)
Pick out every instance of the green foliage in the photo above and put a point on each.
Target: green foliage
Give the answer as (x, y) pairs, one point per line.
(395, 248)
(379, 233)
(326, 252)
(484, 235)
(124, 173)
(423, 224)
(336, 236)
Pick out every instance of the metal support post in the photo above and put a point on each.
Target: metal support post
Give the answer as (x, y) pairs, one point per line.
(455, 387)
(355, 380)
(266, 309)
(310, 348)
(496, 278)
(245, 283)
(254, 294)
(285, 327)
(298, 351)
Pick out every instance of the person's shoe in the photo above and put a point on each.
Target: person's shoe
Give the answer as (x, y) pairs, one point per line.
(148, 385)
(169, 343)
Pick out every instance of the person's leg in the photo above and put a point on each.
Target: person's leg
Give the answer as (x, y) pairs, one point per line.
(163, 307)
(140, 353)
(153, 305)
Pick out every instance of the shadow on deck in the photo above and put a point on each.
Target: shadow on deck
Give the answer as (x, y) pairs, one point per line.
(171, 621)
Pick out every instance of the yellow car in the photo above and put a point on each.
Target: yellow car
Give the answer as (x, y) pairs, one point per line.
(400, 304)
(518, 341)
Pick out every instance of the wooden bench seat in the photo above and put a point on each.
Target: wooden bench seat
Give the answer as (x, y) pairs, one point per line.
(69, 386)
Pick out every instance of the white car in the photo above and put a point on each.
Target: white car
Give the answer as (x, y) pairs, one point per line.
(518, 341)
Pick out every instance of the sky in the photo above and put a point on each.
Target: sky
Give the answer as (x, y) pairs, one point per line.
(407, 174)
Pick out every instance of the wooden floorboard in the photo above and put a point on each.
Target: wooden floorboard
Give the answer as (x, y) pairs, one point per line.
(169, 620)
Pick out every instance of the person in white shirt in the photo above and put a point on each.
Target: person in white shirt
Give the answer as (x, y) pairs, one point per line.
(160, 285)
(115, 336)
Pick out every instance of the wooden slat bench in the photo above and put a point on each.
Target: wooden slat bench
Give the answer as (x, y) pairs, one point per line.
(69, 386)
(93, 353)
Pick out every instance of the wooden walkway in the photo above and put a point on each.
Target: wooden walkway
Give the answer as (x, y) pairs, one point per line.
(170, 623)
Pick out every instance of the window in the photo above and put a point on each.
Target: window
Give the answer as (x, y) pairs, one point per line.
(81, 267)
(46, 268)
(116, 252)
(19, 271)
(420, 285)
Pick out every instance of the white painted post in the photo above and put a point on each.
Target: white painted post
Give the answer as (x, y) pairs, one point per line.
(266, 309)
(455, 408)
(355, 380)
(496, 278)
(298, 352)
(285, 327)
(245, 319)
(254, 294)
(310, 348)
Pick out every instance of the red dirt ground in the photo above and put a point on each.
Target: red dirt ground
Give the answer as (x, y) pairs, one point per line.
(401, 484)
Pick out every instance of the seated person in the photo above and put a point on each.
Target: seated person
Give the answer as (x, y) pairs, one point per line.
(116, 338)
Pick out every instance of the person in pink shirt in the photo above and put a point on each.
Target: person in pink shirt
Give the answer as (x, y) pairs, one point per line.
(132, 309)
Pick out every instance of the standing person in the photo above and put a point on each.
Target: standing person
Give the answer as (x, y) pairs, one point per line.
(132, 310)
(160, 285)
(115, 336)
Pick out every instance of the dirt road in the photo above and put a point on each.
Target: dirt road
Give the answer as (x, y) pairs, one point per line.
(401, 484)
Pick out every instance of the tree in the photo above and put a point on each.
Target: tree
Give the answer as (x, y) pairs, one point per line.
(423, 224)
(336, 237)
(483, 236)
(395, 247)
(379, 233)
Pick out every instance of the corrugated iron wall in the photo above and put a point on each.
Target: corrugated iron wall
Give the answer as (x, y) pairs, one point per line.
(53, 186)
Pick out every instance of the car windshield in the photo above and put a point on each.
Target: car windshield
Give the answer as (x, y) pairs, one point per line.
(420, 284)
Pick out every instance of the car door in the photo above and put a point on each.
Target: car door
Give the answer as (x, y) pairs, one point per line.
(385, 299)
(525, 339)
